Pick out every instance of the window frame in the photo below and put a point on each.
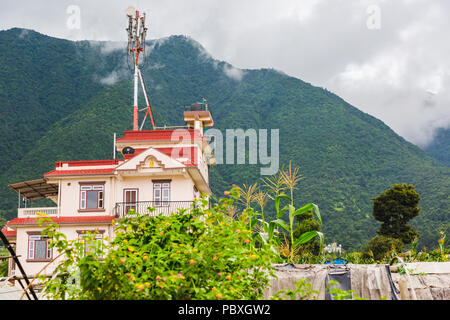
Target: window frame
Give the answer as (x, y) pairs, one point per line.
(161, 186)
(126, 204)
(38, 237)
(91, 186)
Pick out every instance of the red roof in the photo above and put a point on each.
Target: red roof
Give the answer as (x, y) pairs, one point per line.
(87, 163)
(163, 135)
(79, 172)
(9, 233)
(188, 152)
(63, 220)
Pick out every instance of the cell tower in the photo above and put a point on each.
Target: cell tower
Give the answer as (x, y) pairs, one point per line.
(136, 46)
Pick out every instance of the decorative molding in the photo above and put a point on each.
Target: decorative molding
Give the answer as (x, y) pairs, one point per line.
(91, 182)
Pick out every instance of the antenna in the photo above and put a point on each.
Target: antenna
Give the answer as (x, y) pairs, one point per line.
(137, 32)
(114, 146)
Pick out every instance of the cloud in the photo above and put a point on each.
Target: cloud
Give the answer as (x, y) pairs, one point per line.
(110, 79)
(112, 46)
(232, 72)
(406, 84)
(24, 33)
(398, 73)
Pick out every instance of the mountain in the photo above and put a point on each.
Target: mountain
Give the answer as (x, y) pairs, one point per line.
(440, 147)
(81, 93)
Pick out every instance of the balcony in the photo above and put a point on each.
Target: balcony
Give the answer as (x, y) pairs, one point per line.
(161, 207)
(31, 212)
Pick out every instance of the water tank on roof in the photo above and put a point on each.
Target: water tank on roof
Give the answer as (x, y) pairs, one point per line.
(198, 106)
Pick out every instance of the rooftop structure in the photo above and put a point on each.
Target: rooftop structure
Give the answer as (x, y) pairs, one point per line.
(164, 168)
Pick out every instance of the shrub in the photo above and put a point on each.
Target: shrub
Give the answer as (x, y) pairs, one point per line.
(3, 263)
(382, 246)
(193, 254)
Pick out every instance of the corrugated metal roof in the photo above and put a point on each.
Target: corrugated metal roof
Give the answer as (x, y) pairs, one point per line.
(35, 189)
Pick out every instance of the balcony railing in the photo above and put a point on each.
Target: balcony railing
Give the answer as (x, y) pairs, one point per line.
(26, 212)
(161, 207)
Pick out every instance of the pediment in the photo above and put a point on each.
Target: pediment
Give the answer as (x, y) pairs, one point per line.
(150, 159)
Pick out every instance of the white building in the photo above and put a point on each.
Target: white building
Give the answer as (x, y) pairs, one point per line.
(165, 169)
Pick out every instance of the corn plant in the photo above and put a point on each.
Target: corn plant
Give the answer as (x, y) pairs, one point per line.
(305, 237)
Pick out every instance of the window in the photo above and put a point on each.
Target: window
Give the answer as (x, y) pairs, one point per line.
(130, 197)
(161, 193)
(92, 196)
(90, 243)
(38, 248)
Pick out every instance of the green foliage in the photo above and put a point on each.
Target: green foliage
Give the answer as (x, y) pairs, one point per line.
(439, 148)
(193, 254)
(286, 180)
(340, 294)
(307, 223)
(441, 243)
(383, 246)
(346, 156)
(303, 291)
(3, 221)
(394, 208)
(3, 263)
(3, 252)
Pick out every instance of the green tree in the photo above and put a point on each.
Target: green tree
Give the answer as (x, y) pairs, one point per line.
(3, 221)
(3, 266)
(395, 208)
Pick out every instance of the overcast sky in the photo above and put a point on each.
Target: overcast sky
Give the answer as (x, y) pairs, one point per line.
(390, 59)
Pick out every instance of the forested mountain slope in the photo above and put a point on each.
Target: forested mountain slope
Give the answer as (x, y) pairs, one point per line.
(85, 95)
(440, 146)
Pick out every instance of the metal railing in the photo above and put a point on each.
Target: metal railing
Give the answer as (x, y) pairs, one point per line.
(161, 207)
(26, 212)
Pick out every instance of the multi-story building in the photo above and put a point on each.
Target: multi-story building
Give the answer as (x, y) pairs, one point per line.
(161, 168)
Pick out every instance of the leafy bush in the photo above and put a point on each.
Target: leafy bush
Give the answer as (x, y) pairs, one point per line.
(381, 246)
(339, 294)
(303, 291)
(193, 254)
(3, 263)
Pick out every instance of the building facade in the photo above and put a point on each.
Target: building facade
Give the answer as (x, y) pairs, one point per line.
(162, 168)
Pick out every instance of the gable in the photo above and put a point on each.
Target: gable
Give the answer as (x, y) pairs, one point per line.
(150, 159)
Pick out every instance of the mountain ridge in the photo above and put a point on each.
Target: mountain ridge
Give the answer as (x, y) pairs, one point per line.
(346, 155)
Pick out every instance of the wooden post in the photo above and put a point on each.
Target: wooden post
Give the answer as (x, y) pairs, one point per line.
(403, 289)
